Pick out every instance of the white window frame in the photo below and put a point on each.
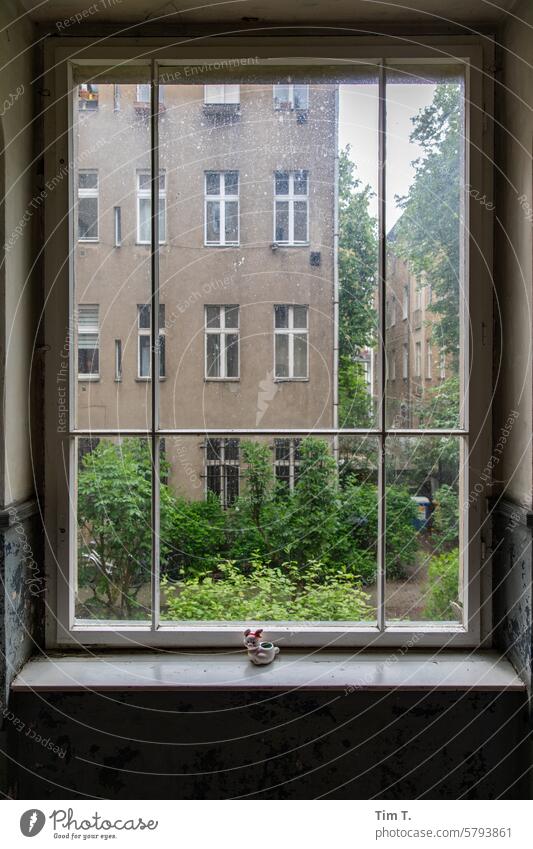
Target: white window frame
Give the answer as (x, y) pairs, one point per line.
(146, 194)
(418, 359)
(118, 360)
(222, 198)
(147, 332)
(289, 105)
(290, 199)
(291, 331)
(405, 361)
(222, 331)
(90, 330)
(405, 302)
(61, 63)
(429, 361)
(90, 193)
(229, 98)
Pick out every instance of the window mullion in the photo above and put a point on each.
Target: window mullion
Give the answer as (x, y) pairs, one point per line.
(382, 270)
(154, 347)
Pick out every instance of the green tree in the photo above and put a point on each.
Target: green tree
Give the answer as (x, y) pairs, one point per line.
(428, 233)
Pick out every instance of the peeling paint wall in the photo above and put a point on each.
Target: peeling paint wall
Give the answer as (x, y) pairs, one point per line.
(265, 746)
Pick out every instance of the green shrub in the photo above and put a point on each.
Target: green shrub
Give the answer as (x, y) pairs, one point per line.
(443, 577)
(264, 593)
(446, 515)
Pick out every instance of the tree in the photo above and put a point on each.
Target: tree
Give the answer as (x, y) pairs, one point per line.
(428, 233)
(357, 269)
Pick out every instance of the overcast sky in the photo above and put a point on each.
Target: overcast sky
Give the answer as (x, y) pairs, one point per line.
(358, 126)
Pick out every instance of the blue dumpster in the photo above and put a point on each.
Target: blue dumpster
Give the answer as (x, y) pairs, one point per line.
(423, 510)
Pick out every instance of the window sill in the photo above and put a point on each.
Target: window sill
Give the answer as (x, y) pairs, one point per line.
(454, 671)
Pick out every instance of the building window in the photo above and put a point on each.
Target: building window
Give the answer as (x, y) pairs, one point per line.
(405, 361)
(442, 365)
(88, 205)
(287, 461)
(117, 219)
(393, 310)
(145, 335)
(222, 208)
(418, 359)
(144, 207)
(291, 207)
(222, 95)
(118, 360)
(418, 295)
(116, 98)
(221, 342)
(88, 97)
(405, 302)
(143, 94)
(291, 342)
(291, 97)
(88, 342)
(428, 361)
(222, 469)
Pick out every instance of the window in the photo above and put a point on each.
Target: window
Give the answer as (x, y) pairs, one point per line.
(117, 218)
(418, 359)
(392, 440)
(442, 365)
(392, 365)
(145, 335)
(287, 461)
(428, 361)
(221, 342)
(144, 207)
(217, 95)
(291, 342)
(291, 97)
(116, 98)
(405, 303)
(143, 94)
(222, 469)
(88, 206)
(88, 342)
(393, 310)
(118, 360)
(88, 97)
(222, 208)
(291, 208)
(418, 295)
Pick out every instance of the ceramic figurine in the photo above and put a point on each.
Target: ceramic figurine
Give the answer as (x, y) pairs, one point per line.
(259, 652)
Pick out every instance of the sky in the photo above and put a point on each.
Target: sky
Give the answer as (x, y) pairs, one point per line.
(358, 127)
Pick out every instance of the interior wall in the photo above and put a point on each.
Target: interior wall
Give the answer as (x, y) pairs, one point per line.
(21, 209)
(514, 241)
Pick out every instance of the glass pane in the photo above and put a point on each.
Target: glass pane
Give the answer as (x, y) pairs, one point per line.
(301, 99)
(281, 315)
(300, 221)
(300, 355)
(282, 221)
(425, 173)
(212, 183)
(232, 221)
(213, 221)
(232, 315)
(213, 316)
(282, 355)
(111, 159)
(144, 356)
(305, 549)
(358, 375)
(423, 536)
(275, 162)
(232, 355)
(114, 530)
(213, 355)
(88, 218)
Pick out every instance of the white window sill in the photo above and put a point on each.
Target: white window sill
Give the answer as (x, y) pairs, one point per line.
(453, 671)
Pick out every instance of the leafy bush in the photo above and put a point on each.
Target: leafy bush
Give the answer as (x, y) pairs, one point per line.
(446, 515)
(443, 576)
(263, 592)
(192, 534)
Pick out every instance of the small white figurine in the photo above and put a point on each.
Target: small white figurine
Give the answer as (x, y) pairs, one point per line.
(259, 652)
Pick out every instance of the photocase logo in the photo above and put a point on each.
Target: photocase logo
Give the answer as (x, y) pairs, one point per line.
(32, 822)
